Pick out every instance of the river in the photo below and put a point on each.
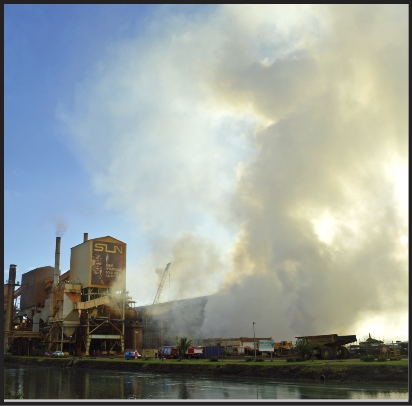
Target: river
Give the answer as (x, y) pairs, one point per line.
(74, 383)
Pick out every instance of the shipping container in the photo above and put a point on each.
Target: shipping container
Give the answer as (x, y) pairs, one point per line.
(213, 351)
(149, 353)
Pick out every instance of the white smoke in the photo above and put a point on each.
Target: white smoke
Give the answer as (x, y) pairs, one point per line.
(262, 150)
(60, 225)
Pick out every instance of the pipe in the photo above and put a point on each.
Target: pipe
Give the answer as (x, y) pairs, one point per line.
(85, 237)
(57, 262)
(10, 297)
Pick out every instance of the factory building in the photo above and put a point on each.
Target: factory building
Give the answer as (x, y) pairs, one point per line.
(82, 310)
(87, 310)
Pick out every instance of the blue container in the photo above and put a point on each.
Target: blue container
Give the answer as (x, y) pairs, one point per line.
(213, 351)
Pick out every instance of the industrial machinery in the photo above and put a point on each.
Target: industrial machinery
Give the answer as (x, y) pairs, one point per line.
(283, 348)
(82, 311)
(162, 282)
(329, 346)
(394, 353)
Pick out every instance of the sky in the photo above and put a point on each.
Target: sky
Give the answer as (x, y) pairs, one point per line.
(261, 149)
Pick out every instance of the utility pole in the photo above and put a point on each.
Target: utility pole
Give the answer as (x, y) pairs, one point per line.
(61, 346)
(254, 339)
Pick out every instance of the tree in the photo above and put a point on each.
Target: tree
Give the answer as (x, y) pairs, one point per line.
(304, 348)
(182, 345)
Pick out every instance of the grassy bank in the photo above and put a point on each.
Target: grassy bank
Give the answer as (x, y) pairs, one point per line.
(351, 370)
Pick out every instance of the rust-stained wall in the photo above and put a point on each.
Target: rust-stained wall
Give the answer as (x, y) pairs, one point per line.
(133, 338)
(34, 293)
(65, 276)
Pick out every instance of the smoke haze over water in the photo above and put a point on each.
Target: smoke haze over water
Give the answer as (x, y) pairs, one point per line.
(263, 151)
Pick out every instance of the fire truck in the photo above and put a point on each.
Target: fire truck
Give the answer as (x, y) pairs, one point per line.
(194, 352)
(168, 351)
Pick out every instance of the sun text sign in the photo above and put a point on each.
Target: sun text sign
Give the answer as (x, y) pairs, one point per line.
(108, 261)
(266, 345)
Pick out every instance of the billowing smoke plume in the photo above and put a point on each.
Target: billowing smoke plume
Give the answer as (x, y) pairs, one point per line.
(263, 151)
(196, 267)
(119, 283)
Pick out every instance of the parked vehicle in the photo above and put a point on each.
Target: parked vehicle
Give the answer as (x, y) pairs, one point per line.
(194, 352)
(329, 346)
(132, 354)
(168, 351)
(48, 354)
(58, 354)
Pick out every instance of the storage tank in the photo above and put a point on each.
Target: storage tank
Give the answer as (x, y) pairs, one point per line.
(33, 292)
(99, 263)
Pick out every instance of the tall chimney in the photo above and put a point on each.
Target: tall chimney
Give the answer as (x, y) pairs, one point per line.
(57, 262)
(10, 297)
(85, 237)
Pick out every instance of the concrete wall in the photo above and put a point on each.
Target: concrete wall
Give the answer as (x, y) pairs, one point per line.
(81, 262)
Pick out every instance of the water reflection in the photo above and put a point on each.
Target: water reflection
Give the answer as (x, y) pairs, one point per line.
(184, 392)
(72, 383)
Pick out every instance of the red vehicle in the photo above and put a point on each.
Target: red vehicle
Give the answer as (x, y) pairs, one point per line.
(167, 351)
(194, 352)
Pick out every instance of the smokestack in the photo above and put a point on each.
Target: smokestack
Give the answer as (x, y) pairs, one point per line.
(86, 237)
(57, 262)
(10, 297)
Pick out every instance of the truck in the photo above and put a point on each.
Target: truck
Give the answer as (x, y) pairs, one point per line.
(194, 352)
(328, 346)
(168, 352)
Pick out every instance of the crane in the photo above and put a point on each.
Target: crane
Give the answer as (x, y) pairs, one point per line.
(162, 282)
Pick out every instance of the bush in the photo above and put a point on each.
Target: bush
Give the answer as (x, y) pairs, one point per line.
(214, 359)
(382, 358)
(259, 359)
(298, 359)
(367, 358)
(248, 359)
(290, 359)
(303, 347)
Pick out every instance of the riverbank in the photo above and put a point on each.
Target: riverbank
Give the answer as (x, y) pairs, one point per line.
(390, 371)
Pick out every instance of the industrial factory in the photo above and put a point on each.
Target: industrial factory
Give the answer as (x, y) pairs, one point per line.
(87, 311)
(84, 311)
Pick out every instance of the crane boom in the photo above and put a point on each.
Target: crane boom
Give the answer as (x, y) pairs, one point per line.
(162, 282)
